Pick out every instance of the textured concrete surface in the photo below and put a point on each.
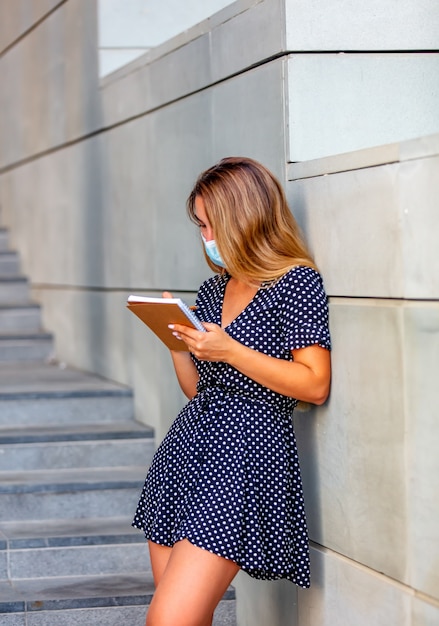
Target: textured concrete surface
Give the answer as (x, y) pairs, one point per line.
(369, 455)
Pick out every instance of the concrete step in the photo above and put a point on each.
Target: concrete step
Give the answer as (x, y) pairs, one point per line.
(107, 600)
(20, 317)
(114, 585)
(22, 346)
(72, 548)
(63, 494)
(9, 264)
(4, 240)
(74, 601)
(112, 557)
(14, 289)
(84, 531)
(43, 394)
(85, 445)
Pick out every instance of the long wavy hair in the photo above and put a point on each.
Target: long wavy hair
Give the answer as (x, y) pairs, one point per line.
(257, 236)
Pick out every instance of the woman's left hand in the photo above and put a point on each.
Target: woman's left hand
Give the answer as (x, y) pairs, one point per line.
(211, 346)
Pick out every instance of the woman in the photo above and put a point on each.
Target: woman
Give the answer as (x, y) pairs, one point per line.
(224, 490)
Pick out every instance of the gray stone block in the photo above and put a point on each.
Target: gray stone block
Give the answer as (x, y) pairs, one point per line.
(421, 391)
(355, 494)
(378, 108)
(71, 501)
(76, 592)
(14, 290)
(225, 615)
(14, 619)
(424, 612)
(112, 444)
(114, 616)
(375, 216)
(25, 347)
(40, 394)
(4, 240)
(344, 592)
(68, 532)
(9, 264)
(3, 563)
(78, 560)
(20, 319)
(50, 410)
(351, 26)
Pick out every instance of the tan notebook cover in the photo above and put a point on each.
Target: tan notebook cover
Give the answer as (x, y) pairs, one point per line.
(157, 313)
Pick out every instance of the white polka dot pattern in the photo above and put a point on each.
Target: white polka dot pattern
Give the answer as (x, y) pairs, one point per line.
(227, 477)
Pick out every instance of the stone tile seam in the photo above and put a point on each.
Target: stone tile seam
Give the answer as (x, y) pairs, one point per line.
(332, 297)
(69, 487)
(124, 291)
(57, 544)
(33, 27)
(62, 395)
(355, 168)
(407, 589)
(103, 129)
(113, 601)
(377, 301)
(202, 29)
(140, 63)
(278, 55)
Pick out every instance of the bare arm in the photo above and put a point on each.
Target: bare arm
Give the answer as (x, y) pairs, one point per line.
(186, 372)
(307, 378)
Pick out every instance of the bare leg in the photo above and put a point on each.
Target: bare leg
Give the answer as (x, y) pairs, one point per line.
(190, 586)
(159, 556)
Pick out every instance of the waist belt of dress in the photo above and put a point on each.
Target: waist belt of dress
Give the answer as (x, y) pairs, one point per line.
(220, 394)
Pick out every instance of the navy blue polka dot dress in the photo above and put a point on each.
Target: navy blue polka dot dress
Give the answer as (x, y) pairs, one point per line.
(226, 477)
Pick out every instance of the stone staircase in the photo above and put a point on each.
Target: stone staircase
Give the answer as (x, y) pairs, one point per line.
(72, 463)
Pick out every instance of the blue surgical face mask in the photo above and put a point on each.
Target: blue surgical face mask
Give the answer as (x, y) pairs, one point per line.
(212, 252)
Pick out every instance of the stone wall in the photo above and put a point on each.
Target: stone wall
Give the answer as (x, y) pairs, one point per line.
(93, 180)
(369, 456)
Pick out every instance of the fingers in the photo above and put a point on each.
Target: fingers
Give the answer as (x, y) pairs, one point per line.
(191, 337)
(167, 294)
(180, 332)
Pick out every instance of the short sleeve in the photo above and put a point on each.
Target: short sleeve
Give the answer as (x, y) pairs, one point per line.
(304, 316)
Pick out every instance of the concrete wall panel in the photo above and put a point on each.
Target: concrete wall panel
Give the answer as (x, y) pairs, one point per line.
(421, 361)
(345, 593)
(353, 449)
(365, 226)
(52, 84)
(239, 105)
(96, 210)
(352, 220)
(252, 36)
(418, 192)
(193, 63)
(266, 602)
(122, 193)
(424, 613)
(60, 192)
(379, 107)
(19, 16)
(369, 25)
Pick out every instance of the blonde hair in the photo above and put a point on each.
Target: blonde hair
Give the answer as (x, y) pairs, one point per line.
(257, 236)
